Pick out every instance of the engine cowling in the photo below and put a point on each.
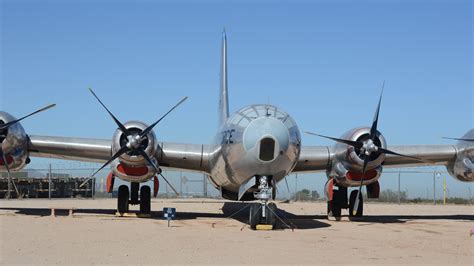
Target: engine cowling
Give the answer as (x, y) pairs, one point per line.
(463, 167)
(348, 163)
(14, 144)
(131, 166)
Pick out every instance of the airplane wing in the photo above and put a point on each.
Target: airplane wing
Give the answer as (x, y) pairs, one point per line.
(191, 157)
(321, 158)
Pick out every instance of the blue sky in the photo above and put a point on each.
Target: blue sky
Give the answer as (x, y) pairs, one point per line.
(322, 61)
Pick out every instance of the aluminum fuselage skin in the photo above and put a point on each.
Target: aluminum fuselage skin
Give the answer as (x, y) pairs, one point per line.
(238, 144)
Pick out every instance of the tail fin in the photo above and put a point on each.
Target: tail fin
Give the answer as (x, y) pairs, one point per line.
(223, 94)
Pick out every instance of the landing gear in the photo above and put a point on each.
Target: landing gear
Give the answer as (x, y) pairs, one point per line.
(263, 212)
(337, 203)
(122, 201)
(352, 199)
(126, 197)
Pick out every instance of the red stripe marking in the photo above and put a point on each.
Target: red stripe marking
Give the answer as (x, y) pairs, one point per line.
(9, 160)
(133, 171)
(352, 175)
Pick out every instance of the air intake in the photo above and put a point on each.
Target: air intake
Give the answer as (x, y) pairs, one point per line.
(267, 149)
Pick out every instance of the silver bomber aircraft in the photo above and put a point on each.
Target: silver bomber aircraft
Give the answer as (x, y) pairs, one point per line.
(254, 149)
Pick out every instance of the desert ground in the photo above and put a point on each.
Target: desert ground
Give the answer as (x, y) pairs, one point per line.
(209, 231)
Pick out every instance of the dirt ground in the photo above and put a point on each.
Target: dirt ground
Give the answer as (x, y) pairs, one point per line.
(203, 233)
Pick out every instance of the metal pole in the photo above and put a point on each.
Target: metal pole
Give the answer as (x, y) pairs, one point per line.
(434, 187)
(296, 186)
(204, 185)
(93, 188)
(181, 183)
(444, 190)
(399, 187)
(49, 182)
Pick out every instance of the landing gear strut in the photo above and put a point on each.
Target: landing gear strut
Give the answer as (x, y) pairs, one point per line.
(263, 212)
(337, 200)
(126, 197)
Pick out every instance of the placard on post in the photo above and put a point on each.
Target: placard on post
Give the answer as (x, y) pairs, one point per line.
(169, 214)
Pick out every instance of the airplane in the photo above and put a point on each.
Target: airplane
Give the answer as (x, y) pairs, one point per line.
(255, 148)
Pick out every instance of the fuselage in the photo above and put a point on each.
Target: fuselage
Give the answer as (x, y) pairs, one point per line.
(257, 140)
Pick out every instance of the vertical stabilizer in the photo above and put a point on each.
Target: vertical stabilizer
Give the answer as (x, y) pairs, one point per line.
(223, 93)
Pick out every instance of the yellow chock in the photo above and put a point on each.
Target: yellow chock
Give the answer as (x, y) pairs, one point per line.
(133, 215)
(264, 227)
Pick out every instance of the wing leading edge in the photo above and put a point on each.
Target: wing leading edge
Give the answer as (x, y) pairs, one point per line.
(320, 158)
(190, 157)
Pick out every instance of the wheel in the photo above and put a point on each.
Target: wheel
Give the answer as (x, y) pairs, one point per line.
(352, 200)
(255, 215)
(335, 205)
(271, 217)
(122, 201)
(134, 187)
(145, 199)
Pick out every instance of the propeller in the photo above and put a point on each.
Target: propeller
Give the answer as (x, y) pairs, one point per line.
(9, 124)
(4, 127)
(367, 147)
(134, 142)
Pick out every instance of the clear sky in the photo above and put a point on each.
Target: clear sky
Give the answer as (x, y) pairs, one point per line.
(322, 61)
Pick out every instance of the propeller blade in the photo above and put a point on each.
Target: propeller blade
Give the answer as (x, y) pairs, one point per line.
(150, 127)
(373, 129)
(382, 150)
(148, 159)
(169, 184)
(7, 125)
(122, 150)
(357, 202)
(119, 124)
(460, 139)
(356, 144)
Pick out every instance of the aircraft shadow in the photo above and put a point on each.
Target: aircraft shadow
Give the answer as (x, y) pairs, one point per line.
(230, 210)
(405, 218)
(240, 211)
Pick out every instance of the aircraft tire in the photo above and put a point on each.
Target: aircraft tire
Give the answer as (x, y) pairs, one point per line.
(335, 205)
(255, 215)
(122, 200)
(145, 200)
(352, 199)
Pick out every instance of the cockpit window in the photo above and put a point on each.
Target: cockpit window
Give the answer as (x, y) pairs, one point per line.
(245, 115)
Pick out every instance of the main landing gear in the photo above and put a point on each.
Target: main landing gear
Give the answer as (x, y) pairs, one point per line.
(133, 197)
(263, 212)
(337, 200)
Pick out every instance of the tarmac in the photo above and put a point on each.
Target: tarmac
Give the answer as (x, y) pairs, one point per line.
(210, 231)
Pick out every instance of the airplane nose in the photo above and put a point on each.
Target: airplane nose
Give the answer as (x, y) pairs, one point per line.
(267, 137)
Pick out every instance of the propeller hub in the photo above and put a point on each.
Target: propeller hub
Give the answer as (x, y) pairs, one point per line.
(134, 141)
(369, 147)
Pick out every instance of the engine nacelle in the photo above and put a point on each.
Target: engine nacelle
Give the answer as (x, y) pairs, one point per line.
(463, 167)
(348, 163)
(351, 158)
(14, 142)
(131, 166)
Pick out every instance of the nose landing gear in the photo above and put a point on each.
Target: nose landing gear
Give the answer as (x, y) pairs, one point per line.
(263, 212)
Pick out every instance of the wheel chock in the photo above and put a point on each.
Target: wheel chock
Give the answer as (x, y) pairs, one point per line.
(264, 227)
(133, 215)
